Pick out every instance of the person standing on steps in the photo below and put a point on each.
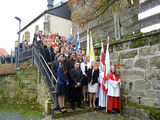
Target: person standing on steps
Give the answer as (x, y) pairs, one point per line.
(113, 80)
(93, 74)
(62, 82)
(76, 85)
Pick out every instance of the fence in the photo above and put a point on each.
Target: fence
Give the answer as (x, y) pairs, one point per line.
(17, 59)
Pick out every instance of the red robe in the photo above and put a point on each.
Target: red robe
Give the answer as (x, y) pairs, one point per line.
(113, 102)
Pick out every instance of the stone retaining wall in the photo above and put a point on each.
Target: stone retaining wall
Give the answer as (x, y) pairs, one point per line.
(141, 74)
(24, 86)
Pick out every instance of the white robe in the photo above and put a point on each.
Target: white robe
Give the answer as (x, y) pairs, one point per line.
(102, 100)
(113, 88)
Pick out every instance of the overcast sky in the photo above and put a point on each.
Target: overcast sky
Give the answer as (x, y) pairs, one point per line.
(27, 10)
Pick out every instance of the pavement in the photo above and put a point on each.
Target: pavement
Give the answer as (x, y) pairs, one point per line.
(17, 116)
(96, 115)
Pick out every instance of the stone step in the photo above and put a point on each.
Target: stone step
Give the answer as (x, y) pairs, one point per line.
(71, 112)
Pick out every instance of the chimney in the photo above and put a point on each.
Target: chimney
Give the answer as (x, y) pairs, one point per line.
(50, 4)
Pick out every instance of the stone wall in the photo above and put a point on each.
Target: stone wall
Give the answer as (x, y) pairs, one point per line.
(141, 73)
(24, 86)
(43, 93)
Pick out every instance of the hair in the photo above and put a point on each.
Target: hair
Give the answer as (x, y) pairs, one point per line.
(64, 67)
(59, 54)
(77, 61)
(85, 57)
(95, 67)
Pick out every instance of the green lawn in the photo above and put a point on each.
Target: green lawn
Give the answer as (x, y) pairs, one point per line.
(26, 109)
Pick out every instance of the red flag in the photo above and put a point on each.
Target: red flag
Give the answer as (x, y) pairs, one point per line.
(106, 70)
(102, 57)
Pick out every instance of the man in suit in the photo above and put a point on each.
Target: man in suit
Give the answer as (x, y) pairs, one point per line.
(56, 63)
(49, 53)
(76, 88)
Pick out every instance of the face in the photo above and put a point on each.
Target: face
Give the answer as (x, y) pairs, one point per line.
(77, 65)
(60, 57)
(83, 53)
(86, 59)
(98, 63)
(56, 49)
(112, 69)
(92, 64)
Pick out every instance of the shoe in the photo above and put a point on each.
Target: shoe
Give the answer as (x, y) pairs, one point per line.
(113, 114)
(81, 106)
(64, 109)
(73, 108)
(94, 107)
(61, 110)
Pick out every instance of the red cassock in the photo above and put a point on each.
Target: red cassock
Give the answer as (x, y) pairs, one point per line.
(113, 91)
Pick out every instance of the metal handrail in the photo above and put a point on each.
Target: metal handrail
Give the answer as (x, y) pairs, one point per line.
(48, 68)
(49, 78)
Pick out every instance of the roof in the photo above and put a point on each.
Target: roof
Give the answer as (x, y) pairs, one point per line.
(60, 11)
(3, 52)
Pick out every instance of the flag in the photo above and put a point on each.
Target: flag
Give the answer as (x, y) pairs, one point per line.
(70, 36)
(87, 52)
(92, 55)
(101, 57)
(106, 71)
(78, 42)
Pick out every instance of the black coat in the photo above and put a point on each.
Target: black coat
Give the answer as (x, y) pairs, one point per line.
(49, 55)
(76, 77)
(94, 77)
(54, 67)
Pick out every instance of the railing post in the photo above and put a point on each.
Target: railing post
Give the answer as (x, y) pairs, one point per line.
(117, 26)
(32, 57)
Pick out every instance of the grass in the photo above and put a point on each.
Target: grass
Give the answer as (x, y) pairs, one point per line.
(25, 109)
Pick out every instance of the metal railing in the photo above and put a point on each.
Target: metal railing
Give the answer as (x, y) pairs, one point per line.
(25, 58)
(49, 78)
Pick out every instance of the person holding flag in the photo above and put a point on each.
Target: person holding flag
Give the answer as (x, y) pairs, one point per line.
(111, 86)
(113, 91)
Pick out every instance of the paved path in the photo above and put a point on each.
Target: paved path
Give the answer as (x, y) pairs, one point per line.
(96, 116)
(16, 116)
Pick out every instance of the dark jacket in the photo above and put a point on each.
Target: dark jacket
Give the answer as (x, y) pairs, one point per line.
(54, 67)
(76, 76)
(49, 53)
(93, 79)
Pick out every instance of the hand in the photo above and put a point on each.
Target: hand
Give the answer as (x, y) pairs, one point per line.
(91, 83)
(85, 75)
(119, 80)
(78, 84)
(67, 83)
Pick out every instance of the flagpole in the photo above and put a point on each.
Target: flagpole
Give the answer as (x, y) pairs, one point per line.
(106, 81)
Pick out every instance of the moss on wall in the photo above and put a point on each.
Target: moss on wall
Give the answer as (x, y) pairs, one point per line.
(21, 87)
(155, 113)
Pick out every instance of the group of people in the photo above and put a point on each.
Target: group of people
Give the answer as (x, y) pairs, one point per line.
(78, 77)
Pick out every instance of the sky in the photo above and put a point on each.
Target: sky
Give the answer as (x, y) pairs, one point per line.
(27, 10)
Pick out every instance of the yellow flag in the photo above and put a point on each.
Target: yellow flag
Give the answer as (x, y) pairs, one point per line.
(92, 55)
(87, 52)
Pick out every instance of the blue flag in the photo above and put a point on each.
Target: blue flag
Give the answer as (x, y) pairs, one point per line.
(77, 43)
(70, 36)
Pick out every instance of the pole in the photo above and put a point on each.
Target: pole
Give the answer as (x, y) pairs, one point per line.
(19, 41)
(18, 52)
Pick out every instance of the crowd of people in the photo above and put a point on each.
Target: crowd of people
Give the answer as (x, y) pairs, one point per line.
(78, 78)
